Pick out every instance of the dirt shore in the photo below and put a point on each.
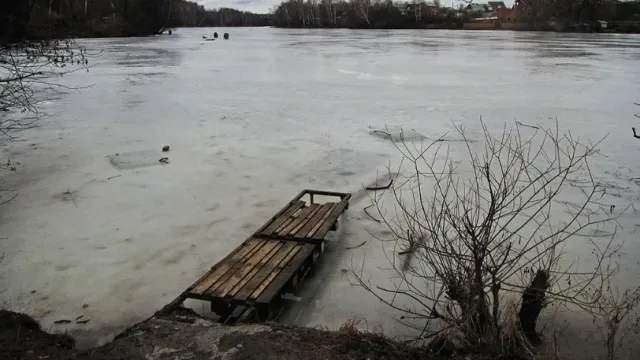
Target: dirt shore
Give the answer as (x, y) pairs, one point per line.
(189, 337)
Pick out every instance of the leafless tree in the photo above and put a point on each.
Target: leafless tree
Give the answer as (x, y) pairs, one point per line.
(330, 10)
(29, 71)
(616, 314)
(493, 235)
(362, 9)
(417, 6)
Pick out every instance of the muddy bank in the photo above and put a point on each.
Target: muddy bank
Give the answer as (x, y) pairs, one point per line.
(22, 338)
(190, 337)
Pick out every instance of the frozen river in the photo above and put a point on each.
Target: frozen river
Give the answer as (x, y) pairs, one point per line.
(253, 120)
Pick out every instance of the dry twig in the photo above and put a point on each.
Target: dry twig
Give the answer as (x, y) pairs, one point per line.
(355, 247)
(529, 126)
(375, 188)
(370, 216)
(479, 234)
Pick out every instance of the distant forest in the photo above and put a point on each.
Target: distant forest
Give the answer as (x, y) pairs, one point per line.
(374, 14)
(20, 19)
(189, 14)
(381, 14)
(33, 19)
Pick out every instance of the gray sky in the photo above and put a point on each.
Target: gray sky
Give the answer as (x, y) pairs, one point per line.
(263, 6)
(257, 6)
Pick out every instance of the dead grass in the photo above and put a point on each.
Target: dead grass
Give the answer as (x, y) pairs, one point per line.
(348, 342)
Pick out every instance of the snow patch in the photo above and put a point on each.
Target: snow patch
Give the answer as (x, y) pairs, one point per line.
(397, 134)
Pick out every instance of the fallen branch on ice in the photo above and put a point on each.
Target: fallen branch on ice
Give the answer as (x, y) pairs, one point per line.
(355, 247)
(374, 188)
(371, 216)
(525, 125)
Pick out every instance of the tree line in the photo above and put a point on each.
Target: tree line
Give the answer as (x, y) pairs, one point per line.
(96, 18)
(73, 18)
(189, 14)
(364, 14)
(36, 19)
(570, 11)
(533, 14)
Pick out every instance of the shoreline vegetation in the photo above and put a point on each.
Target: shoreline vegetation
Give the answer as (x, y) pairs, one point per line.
(47, 19)
(189, 336)
(56, 19)
(527, 15)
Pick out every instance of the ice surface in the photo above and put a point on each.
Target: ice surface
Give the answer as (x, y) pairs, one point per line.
(253, 120)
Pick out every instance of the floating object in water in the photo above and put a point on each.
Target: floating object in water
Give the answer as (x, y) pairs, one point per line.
(165, 148)
(215, 35)
(226, 36)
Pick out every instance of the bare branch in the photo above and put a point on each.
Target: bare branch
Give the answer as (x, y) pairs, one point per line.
(479, 231)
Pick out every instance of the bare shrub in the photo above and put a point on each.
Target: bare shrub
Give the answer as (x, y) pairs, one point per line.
(29, 72)
(484, 238)
(616, 314)
(350, 326)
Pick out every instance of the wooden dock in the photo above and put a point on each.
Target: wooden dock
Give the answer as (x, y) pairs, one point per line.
(250, 280)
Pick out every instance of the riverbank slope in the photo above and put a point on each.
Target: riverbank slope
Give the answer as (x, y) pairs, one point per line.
(191, 337)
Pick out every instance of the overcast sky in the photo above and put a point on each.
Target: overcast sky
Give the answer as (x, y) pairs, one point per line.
(257, 6)
(264, 6)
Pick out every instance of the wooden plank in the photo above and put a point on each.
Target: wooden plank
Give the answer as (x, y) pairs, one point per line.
(265, 260)
(298, 219)
(284, 224)
(283, 264)
(290, 210)
(321, 221)
(314, 210)
(314, 220)
(286, 274)
(296, 200)
(224, 265)
(264, 272)
(327, 193)
(242, 268)
(333, 217)
(223, 279)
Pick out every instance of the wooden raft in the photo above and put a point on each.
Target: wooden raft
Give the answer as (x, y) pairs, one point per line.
(274, 259)
(309, 224)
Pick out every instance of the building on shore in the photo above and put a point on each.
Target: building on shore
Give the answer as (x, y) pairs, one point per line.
(492, 15)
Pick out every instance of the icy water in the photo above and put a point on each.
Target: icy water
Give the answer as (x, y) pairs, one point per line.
(101, 229)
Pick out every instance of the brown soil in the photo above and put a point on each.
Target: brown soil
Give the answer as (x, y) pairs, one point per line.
(304, 343)
(21, 338)
(188, 337)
